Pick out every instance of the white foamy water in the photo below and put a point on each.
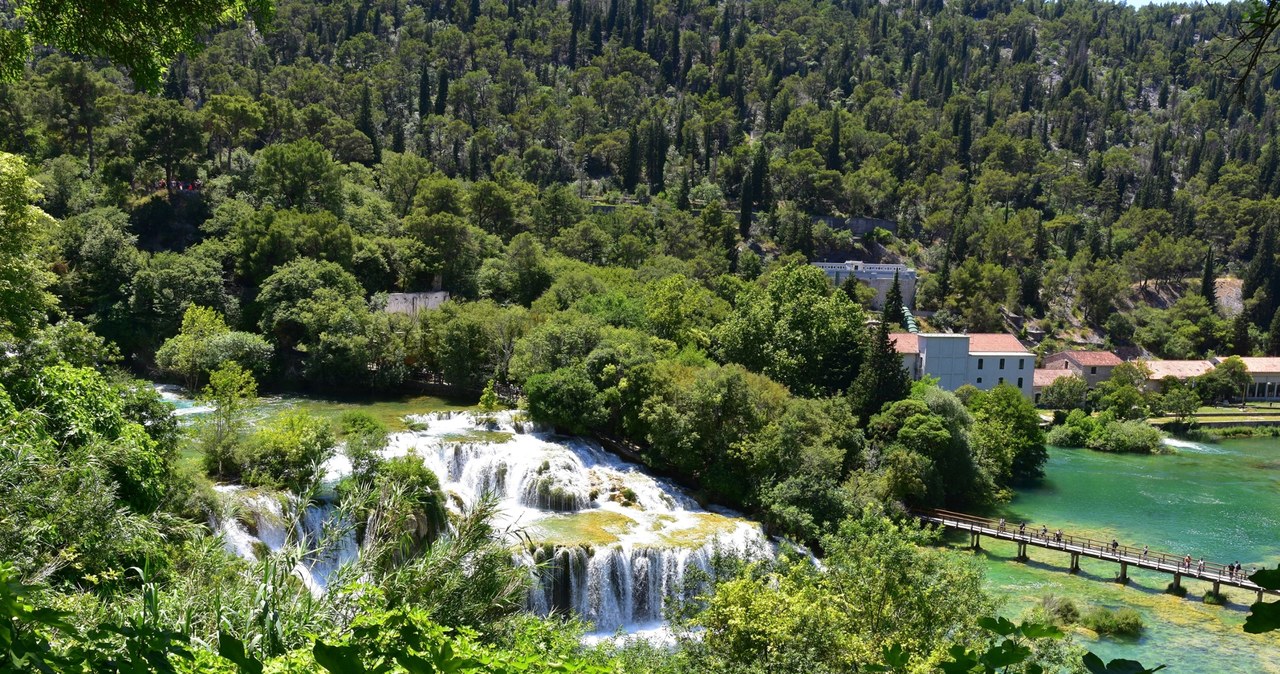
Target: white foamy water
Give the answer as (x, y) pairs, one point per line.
(1189, 446)
(611, 543)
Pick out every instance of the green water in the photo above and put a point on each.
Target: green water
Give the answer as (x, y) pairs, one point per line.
(1221, 502)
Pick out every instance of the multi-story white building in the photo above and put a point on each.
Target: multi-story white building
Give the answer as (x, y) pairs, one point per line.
(878, 276)
(983, 360)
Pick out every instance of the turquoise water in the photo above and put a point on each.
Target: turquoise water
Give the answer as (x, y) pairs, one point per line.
(1220, 502)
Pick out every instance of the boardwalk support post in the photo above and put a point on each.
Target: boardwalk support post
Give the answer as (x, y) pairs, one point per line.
(1177, 581)
(1022, 550)
(1217, 587)
(1075, 562)
(976, 542)
(1259, 597)
(1124, 573)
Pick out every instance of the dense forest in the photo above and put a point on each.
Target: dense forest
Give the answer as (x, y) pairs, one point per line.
(621, 199)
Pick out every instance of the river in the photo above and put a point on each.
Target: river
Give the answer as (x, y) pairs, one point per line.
(1217, 501)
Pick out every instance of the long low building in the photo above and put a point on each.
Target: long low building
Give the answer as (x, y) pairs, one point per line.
(878, 276)
(1266, 378)
(982, 360)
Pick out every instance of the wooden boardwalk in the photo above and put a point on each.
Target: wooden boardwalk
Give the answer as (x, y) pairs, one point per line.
(1077, 547)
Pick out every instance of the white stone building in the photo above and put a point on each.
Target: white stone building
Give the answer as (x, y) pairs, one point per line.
(982, 360)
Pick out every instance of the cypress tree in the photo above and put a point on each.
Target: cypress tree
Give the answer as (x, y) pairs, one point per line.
(1208, 288)
(760, 176)
(882, 379)
(424, 92)
(893, 313)
(365, 123)
(631, 170)
(1273, 336)
(442, 91)
(834, 154)
(573, 47)
(1261, 274)
(682, 195)
(1241, 344)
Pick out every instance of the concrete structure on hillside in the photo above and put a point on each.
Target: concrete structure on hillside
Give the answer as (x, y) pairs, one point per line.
(1094, 366)
(878, 276)
(412, 303)
(983, 360)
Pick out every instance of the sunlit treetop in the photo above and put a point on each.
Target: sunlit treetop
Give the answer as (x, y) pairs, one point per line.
(141, 35)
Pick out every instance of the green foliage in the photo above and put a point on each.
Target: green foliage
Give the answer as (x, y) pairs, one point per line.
(156, 34)
(23, 298)
(566, 398)
(1008, 441)
(287, 452)
(1127, 437)
(230, 392)
(879, 589)
(1066, 393)
(205, 343)
(796, 331)
(488, 398)
(1122, 622)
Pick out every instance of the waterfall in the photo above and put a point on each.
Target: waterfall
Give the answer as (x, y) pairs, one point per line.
(603, 540)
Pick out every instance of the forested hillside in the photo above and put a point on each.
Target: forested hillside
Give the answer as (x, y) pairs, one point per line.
(1053, 159)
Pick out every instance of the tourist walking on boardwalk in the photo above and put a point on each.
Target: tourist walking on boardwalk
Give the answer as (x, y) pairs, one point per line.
(1145, 550)
(1200, 567)
(1114, 546)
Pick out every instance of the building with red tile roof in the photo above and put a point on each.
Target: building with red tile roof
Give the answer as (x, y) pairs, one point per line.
(984, 360)
(1094, 366)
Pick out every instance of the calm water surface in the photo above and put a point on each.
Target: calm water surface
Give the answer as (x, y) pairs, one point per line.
(1219, 501)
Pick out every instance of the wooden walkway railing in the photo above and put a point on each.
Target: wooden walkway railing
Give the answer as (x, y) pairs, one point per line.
(1077, 546)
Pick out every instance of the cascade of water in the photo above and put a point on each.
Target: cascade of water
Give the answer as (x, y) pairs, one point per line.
(610, 543)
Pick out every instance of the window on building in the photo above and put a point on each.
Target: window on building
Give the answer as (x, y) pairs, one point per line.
(1001, 363)
(1019, 382)
(979, 380)
(1093, 370)
(1001, 381)
(1021, 363)
(979, 363)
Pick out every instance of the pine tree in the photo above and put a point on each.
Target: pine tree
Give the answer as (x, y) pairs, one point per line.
(744, 209)
(882, 379)
(834, 154)
(424, 92)
(893, 313)
(1208, 287)
(442, 91)
(573, 47)
(1241, 344)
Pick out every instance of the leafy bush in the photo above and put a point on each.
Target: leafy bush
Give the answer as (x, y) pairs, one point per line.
(1123, 622)
(1127, 437)
(287, 452)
